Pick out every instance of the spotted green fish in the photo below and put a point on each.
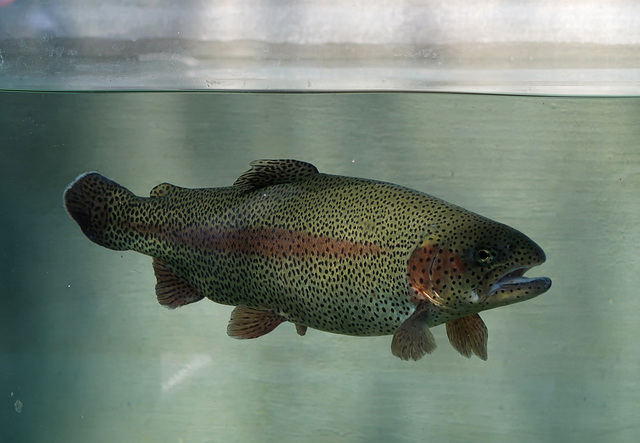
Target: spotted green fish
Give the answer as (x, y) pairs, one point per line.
(338, 254)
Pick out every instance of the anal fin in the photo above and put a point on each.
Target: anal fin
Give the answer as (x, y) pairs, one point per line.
(413, 339)
(248, 322)
(171, 290)
(468, 335)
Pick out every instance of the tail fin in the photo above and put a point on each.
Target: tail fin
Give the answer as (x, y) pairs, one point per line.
(91, 200)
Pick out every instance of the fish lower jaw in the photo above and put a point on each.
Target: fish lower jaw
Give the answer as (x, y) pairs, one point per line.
(517, 283)
(514, 286)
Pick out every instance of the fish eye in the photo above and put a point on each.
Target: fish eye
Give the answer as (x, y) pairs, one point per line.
(484, 256)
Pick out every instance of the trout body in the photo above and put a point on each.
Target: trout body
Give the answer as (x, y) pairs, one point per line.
(338, 254)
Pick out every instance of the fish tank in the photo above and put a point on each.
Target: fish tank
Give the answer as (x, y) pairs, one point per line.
(524, 111)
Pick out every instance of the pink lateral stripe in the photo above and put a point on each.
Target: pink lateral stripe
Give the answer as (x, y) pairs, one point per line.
(266, 242)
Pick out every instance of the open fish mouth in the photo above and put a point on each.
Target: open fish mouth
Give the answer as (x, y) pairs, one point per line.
(514, 284)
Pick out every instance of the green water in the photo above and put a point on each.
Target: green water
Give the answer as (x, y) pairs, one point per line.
(87, 354)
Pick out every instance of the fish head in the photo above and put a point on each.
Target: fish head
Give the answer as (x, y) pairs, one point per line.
(473, 266)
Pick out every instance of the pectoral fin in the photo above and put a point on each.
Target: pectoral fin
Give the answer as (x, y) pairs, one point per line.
(468, 335)
(171, 290)
(413, 339)
(248, 322)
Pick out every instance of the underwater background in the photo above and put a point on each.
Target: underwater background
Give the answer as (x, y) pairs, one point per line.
(87, 353)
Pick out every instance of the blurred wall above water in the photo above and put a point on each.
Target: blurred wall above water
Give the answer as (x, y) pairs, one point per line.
(503, 46)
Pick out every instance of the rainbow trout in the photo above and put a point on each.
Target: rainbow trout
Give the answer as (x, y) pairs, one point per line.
(338, 254)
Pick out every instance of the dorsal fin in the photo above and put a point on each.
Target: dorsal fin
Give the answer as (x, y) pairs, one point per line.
(162, 190)
(265, 173)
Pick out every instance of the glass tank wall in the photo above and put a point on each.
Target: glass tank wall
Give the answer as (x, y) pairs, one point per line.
(523, 111)
(525, 47)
